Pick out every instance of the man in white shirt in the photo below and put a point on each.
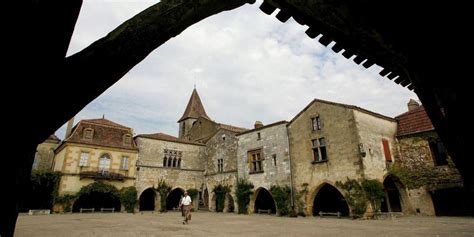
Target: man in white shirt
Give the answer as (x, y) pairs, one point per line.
(186, 204)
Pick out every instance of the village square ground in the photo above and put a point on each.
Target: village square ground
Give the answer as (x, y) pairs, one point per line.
(230, 224)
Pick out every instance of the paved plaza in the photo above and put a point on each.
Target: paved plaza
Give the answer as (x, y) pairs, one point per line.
(229, 224)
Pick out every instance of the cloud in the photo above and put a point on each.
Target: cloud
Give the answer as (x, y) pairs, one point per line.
(246, 65)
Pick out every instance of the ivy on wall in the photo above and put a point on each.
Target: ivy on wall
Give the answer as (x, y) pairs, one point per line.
(282, 197)
(128, 197)
(243, 190)
(163, 189)
(43, 190)
(433, 178)
(220, 191)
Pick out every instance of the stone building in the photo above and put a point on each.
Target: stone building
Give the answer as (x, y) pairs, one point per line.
(44, 155)
(96, 149)
(331, 142)
(433, 184)
(263, 159)
(202, 157)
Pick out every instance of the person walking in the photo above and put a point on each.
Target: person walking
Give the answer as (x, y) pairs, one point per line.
(186, 204)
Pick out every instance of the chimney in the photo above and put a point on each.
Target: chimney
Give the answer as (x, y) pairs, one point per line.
(412, 104)
(258, 124)
(70, 123)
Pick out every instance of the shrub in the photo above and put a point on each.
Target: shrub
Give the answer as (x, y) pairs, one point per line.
(243, 190)
(282, 196)
(163, 189)
(128, 197)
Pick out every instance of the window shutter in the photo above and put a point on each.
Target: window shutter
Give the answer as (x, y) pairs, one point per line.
(386, 150)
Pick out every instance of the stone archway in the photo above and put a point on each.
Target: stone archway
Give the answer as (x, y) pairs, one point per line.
(264, 201)
(147, 200)
(395, 196)
(451, 202)
(329, 199)
(173, 198)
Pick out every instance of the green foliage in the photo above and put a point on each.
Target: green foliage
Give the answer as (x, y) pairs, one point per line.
(220, 191)
(99, 187)
(43, 190)
(192, 192)
(66, 201)
(282, 196)
(374, 192)
(163, 189)
(243, 190)
(355, 196)
(423, 175)
(128, 197)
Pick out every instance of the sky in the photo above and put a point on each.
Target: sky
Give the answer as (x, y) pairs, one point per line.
(246, 66)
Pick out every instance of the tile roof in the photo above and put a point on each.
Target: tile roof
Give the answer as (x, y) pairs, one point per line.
(105, 133)
(194, 109)
(232, 128)
(414, 121)
(263, 127)
(167, 137)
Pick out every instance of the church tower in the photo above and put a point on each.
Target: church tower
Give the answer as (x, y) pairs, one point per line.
(193, 111)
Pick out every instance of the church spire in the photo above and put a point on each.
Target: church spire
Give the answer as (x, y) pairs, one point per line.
(194, 109)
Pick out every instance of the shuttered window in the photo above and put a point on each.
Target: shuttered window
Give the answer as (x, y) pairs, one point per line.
(386, 150)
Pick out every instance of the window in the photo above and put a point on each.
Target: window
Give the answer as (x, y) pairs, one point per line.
(438, 153)
(104, 162)
(259, 136)
(274, 159)
(220, 165)
(316, 123)
(255, 161)
(172, 158)
(319, 150)
(127, 139)
(124, 164)
(83, 159)
(88, 133)
(386, 150)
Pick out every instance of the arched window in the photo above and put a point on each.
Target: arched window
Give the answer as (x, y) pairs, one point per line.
(104, 162)
(169, 162)
(164, 162)
(174, 162)
(179, 163)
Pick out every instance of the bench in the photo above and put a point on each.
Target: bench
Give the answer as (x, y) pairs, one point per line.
(39, 212)
(269, 211)
(103, 209)
(338, 214)
(81, 210)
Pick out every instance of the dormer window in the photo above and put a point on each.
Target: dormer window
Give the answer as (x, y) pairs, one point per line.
(88, 133)
(127, 139)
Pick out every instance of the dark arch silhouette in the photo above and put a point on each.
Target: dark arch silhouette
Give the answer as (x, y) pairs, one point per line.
(329, 199)
(392, 196)
(147, 200)
(97, 200)
(264, 201)
(172, 200)
(451, 202)
(230, 203)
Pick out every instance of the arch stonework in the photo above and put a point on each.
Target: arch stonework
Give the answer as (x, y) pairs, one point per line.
(405, 203)
(251, 206)
(312, 195)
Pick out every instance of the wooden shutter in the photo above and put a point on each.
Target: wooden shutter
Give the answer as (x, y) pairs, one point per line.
(386, 150)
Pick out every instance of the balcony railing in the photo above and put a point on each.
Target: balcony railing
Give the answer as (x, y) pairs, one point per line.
(98, 173)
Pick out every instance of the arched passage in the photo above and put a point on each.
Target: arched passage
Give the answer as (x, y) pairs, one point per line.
(451, 202)
(392, 200)
(172, 201)
(147, 200)
(329, 199)
(97, 200)
(264, 201)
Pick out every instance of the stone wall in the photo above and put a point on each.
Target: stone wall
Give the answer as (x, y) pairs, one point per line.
(371, 131)
(151, 169)
(44, 156)
(67, 162)
(342, 139)
(274, 143)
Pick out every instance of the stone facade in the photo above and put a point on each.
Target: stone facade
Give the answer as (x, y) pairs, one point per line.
(353, 144)
(152, 166)
(44, 156)
(271, 142)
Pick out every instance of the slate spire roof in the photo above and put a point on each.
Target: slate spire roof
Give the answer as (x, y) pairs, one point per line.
(194, 109)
